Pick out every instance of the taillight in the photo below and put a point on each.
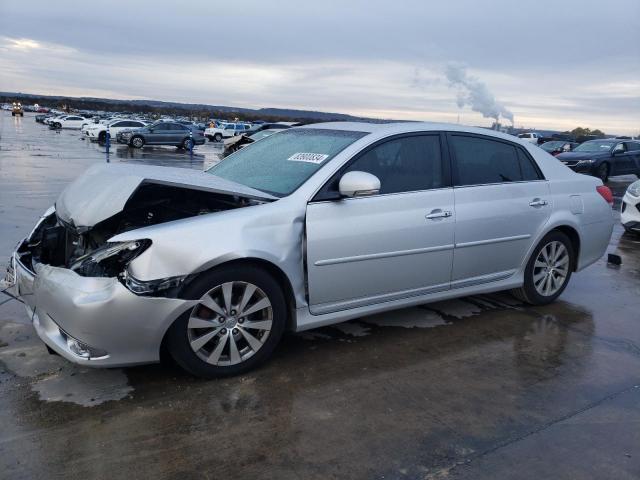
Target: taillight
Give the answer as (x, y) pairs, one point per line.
(605, 192)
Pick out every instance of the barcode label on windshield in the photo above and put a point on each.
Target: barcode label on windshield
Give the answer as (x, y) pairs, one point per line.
(308, 157)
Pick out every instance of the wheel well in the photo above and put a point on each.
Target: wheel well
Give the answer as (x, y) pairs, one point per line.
(575, 241)
(273, 270)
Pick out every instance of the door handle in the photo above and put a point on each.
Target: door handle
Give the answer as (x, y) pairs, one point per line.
(537, 202)
(438, 213)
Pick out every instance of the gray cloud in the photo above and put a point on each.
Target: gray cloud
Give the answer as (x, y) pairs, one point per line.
(363, 56)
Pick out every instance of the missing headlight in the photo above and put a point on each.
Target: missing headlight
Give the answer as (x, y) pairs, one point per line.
(110, 260)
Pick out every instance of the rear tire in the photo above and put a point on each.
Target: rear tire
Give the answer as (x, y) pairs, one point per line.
(548, 270)
(217, 137)
(216, 338)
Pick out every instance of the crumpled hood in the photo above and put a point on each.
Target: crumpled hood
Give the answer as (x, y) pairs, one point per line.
(103, 190)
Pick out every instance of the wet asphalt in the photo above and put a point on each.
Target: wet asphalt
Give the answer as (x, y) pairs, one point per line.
(479, 387)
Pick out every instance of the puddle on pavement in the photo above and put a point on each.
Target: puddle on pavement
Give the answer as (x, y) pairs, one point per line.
(85, 387)
(54, 378)
(407, 318)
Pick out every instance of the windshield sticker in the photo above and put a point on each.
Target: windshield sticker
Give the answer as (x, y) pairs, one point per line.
(308, 157)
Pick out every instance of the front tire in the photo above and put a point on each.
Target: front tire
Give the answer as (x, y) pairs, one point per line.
(548, 270)
(137, 142)
(217, 137)
(186, 144)
(602, 172)
(237, 324)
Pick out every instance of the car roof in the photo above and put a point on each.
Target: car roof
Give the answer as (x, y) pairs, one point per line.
(385, 129)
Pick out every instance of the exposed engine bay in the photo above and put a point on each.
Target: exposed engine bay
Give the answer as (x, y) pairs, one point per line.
(87, 250)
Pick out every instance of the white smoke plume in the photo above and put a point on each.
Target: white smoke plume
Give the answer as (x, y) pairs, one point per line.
(473, 92)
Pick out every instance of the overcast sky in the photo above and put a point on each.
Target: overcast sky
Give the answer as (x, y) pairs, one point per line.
(554, 64)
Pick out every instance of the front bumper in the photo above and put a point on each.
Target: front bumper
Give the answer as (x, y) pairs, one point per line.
(580, 167)
(123, 138)
(99, 312)
(630, 212)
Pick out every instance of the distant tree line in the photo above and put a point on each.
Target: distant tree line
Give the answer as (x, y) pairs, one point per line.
(202, 114)
(580, 132)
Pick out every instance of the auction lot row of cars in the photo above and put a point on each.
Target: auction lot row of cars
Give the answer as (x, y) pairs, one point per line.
(313, 226)
(181, 133)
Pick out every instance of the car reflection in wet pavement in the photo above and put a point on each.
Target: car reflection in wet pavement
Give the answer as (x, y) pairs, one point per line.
(480, 387)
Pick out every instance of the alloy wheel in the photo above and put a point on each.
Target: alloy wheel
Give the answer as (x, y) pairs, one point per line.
(551, 268)
(230, 324)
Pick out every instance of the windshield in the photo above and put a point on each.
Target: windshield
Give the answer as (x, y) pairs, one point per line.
(279, 164)
(594, 146)
(262, 133)
(551, 146)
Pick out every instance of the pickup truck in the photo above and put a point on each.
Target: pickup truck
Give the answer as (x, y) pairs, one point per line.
(226, 130)
(532, 137)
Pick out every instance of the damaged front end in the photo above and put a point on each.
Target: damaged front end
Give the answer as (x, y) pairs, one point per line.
(75, 283)
(88, 252)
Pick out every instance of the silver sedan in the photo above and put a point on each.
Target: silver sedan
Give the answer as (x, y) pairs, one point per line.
(308, 227)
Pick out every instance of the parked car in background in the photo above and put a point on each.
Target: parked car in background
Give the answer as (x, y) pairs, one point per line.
(40, 118)
(257, 127)
(630, 208)
(555, 147)
(98, 131)
(226, 130)
(604, 158)
(52, 118)
(532, 137)
(73, 122)
(240, 141)
(305, 228)
(162, 133)
(192, 125)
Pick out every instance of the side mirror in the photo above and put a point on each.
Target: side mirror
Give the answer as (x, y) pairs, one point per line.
(358, 184)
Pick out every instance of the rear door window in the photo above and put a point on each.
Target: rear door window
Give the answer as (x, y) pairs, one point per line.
(481, 161)
(633, 146)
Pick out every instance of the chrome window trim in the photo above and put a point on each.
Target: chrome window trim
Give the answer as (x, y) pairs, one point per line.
(499, 183)
(377, 195)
